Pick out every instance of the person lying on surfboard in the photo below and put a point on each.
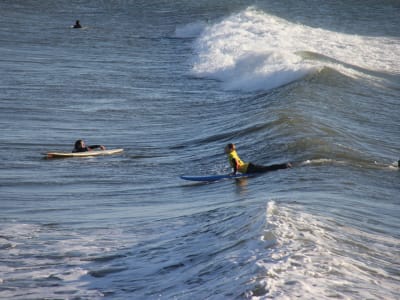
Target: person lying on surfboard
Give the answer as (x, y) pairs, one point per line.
(81, 147)
(248, 168)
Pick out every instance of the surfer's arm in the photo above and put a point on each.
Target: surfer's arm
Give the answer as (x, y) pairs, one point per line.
(96, 147)
(234, 166)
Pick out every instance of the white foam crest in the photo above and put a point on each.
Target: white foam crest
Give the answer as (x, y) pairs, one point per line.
(253, 51)
(239, 52)
(322, 259)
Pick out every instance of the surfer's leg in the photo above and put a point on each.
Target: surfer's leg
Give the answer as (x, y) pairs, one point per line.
(252, 168)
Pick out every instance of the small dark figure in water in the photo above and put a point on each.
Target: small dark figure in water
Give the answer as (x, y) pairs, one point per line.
(77, 24)
(81, 147)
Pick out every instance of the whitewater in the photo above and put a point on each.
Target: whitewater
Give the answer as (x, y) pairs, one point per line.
(253, 51)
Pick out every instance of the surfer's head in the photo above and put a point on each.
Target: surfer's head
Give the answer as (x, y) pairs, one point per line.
(79, 144)
(229, 148)
(77, 24)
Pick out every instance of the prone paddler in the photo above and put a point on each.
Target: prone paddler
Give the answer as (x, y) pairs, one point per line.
(80, 146)
(239, 165)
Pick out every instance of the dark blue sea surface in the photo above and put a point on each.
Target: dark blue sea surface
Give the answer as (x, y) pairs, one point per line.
(172, 82)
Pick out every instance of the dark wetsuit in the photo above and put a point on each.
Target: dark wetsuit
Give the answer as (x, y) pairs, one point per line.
(77, 25)
(247, 168)
(87, 148)
(252, 168)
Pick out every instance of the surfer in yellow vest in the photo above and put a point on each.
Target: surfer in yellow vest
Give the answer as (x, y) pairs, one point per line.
(81, 147)
(247, 168)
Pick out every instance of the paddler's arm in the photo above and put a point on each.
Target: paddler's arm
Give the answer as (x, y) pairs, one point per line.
(235, 166)
(95, 147)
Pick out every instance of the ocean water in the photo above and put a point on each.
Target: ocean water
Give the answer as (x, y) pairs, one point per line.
(313, 82)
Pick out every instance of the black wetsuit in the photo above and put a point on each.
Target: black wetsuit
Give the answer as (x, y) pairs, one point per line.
(87, 148)
(252, 168)
(247, 168)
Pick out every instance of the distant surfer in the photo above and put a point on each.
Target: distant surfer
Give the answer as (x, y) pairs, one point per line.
(77, 24)
(248, 168)
(81, 147)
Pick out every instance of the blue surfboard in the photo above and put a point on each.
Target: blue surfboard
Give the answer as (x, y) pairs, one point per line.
(213, 177)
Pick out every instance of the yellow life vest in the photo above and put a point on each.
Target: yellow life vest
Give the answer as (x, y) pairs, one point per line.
(242, 166)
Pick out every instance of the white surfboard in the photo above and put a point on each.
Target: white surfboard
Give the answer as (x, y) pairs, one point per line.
(83, 154)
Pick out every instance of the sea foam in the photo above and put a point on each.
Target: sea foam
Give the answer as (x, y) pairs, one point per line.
(310, 247)
(252, 51)
(248, 51)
